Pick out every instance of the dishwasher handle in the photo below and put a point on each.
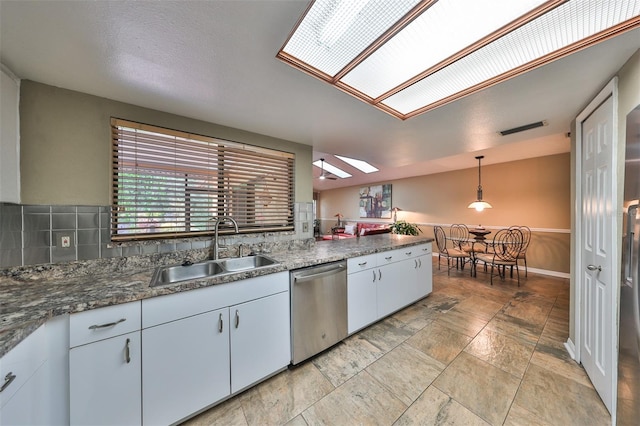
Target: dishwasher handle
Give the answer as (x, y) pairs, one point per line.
(336, 269)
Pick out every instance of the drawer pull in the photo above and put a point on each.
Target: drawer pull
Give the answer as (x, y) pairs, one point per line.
(10, 377)
(220, 324)
(237, 318)
(362, 264)
(127, 353)
(379, 274)
(374, 276)
(388, 258)
(408, 253)
(111, 324)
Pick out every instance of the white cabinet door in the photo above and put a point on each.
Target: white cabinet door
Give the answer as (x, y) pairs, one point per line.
(185, 366)
(394, 287)
(105, 385)
(260, 339)
(424, 276)
(28, 405)
(361, 299)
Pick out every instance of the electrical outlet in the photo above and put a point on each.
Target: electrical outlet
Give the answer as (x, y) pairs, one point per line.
(64, 239)
(305, 227)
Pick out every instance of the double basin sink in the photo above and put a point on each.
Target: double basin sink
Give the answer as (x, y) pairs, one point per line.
(211, 268)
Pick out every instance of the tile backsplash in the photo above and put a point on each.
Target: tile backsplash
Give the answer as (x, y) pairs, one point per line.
(31, 235)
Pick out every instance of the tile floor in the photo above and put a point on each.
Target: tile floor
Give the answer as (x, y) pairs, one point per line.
(468, 354)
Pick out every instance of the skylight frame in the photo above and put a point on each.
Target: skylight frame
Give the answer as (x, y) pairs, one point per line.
(423, 6)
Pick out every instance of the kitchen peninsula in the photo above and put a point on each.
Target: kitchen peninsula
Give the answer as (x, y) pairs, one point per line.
(51, 294)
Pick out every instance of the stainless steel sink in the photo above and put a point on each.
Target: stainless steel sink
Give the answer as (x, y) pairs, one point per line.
(172, 274)
(237, 264)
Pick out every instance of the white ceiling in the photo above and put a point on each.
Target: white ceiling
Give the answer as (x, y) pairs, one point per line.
(215, 61)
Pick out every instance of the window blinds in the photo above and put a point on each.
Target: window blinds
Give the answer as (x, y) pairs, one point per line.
(168, 183)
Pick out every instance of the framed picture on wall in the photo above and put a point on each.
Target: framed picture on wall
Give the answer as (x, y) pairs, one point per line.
(375, 201)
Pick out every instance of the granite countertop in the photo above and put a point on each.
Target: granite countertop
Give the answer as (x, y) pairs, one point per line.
(27, 303)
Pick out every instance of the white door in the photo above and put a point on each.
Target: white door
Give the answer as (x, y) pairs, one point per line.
(597, 328)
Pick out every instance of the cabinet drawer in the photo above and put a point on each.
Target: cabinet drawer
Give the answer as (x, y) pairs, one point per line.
(360, 263)
(19, 364)
(393, 256)
(102, 323)
(423, 249)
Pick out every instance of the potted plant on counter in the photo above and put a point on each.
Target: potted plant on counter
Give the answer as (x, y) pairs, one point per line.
(404, 228)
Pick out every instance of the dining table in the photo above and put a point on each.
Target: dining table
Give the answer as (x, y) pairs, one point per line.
(480, 237)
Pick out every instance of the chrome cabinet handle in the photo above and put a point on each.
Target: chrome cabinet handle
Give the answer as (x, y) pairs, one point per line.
(237, 318)
(388, 258)
(419, 263)
(10, 377)
(416, 263)
(127, 352)
(594, 268)
(220, 324)
(362, 264)
(374, 276)
(111, 324)
(379, 274)
(408, 253)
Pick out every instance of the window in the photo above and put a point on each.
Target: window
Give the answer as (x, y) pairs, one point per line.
(168, 183)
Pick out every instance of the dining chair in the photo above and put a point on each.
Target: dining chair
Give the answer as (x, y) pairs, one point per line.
(507, 245)
(526, 234)
(459, 236)
(448, 252)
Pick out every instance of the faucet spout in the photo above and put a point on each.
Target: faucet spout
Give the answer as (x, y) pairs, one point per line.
(219, 220)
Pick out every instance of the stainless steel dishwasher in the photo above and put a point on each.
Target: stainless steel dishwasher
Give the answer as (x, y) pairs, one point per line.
(318, 309)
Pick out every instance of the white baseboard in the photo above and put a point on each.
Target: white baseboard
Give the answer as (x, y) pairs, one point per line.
(537, 271)
(552, 273)
(571, 348)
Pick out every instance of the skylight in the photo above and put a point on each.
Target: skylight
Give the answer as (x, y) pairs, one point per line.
(361, 165)
(332, 169)
(407, 57)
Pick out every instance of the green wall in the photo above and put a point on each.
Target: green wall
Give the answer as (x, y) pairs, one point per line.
(65, 145)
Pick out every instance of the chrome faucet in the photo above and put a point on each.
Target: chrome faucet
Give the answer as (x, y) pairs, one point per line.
(216, 247)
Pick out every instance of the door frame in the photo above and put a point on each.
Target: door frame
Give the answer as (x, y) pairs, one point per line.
(610, 90)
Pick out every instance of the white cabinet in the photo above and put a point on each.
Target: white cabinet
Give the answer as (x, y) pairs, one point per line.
(203, 345)
(394, 287)
(185, 366)
(34, 377)
(424, 271)
(23, 399)
(362, 299)
(105, 366)
(260, 339)
(382, 283)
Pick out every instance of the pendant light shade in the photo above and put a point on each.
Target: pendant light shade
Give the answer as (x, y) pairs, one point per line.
(479, 205)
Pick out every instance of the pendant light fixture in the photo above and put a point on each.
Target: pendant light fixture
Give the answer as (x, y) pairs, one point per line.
(479, 205)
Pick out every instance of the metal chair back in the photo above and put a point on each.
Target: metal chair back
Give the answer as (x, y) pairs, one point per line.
(507, 244)
(441, 238)
(459, 234)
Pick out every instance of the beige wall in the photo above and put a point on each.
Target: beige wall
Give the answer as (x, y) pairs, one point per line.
(533, 192)
(66, 145)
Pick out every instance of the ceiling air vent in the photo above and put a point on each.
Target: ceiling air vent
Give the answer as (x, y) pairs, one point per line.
(523, 128)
